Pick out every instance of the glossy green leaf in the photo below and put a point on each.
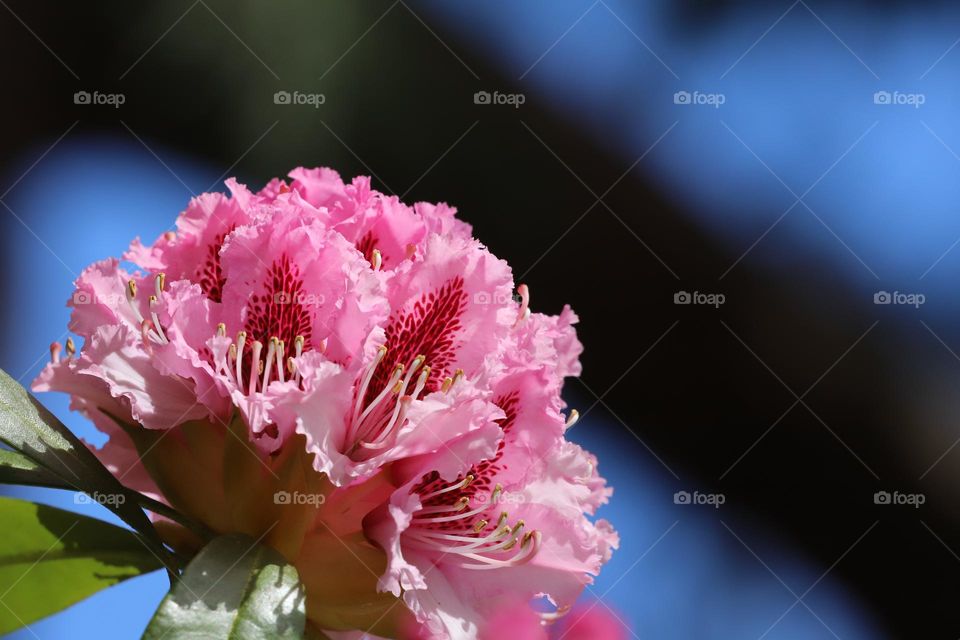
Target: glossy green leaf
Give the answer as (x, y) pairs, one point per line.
(234, 589)
(28, 428)
(51, 559)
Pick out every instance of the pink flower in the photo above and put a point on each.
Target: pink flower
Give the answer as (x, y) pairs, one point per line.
(466, 519)
(382, 343)
(593, 621)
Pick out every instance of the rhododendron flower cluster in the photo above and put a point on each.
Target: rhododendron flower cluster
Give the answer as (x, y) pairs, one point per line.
(359, 383)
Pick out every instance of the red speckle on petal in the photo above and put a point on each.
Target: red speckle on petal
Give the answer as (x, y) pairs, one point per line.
(429, 328)
(209, 274)
(281, 309)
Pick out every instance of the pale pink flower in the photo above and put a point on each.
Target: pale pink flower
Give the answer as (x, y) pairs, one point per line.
(465, 538)
(390, 340)
(586, 621)
(590, 621)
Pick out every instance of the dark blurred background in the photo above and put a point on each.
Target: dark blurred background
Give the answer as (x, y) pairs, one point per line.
(789, 168)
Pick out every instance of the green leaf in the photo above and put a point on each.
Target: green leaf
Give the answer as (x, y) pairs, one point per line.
(16, 468)
(51, 559)
(234, 589)
(27, 427)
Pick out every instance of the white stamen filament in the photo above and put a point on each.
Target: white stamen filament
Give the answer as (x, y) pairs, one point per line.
(268, 367)
(150, 329)
(398, 416)
(529, 547)
(145, 334)
(394, 379)
(297, 350)
(255, 375)
(131, 297)
(280, 361)
(463, 484)
(382, 351)
(156, 320)
(241, 341)
(476, 546)
(230, 364)
(421, 383)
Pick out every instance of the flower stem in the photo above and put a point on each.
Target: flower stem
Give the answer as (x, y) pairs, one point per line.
(169, 512)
